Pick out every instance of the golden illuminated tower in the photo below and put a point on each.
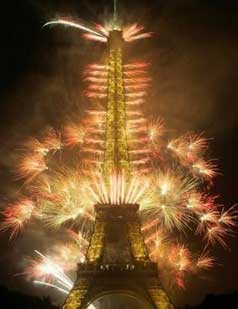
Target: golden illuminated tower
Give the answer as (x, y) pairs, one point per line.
(117, 272)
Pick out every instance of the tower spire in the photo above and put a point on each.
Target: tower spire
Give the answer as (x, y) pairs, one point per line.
(116, 25)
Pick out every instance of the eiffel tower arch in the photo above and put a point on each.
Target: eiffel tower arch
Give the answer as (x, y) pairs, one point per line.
(117, 263)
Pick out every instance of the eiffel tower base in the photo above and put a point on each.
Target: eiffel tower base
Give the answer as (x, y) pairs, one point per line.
(138, 280)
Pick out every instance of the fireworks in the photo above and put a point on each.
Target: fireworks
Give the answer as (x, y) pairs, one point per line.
(17, 215)
(205, 261)
(114, 155)
(72, 24)
(133, 33)
(31, 166)
(74, 135)
(44, 270)
(119, 191)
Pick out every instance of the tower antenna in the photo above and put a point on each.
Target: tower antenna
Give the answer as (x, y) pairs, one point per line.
(116, 25)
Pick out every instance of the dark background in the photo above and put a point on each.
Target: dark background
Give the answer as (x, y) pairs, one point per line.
(195, 71)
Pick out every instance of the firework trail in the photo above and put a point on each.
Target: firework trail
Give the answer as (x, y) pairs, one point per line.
(169, 178)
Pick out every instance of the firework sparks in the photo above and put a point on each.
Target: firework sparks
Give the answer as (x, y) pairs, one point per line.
(47, 284)
(30, 166)
(119, 191)
(216, 234)
(64, 22)
(189, 147)
(74, 135)
(207, 170)
(45, 270)
(17, 215)
(205, 261)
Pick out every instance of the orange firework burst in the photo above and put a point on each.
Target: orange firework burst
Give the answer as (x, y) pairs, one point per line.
(35, 146)
(156, 130)
(74, 135)
(53, 140)
(189, 147)
(208, 170)
(46, 270)
(205, 261)
(17, 215)
(30, 166)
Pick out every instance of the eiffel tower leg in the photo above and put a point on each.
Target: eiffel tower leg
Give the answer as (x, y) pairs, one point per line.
(77, 295)
(158, 296)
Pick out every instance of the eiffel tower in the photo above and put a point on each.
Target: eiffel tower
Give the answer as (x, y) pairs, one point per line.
(117, 272)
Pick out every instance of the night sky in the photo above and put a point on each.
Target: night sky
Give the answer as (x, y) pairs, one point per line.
(194, 54)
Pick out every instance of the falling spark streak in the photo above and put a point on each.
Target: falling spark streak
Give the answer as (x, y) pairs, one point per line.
(71, 24)
(52, 286)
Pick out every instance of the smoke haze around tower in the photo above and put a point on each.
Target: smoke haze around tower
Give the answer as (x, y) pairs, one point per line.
(194, 60)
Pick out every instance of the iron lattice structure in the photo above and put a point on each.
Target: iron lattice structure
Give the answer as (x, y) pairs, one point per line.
(117, 259)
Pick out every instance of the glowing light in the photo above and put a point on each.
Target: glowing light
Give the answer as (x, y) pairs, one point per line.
(132, 33)
(94, 37)
(102, 29)
(52, 286)
(139, 37)
(119, 191)
(46, 270)
(64, 22)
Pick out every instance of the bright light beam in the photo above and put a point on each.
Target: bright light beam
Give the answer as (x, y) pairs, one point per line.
(71, 24)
